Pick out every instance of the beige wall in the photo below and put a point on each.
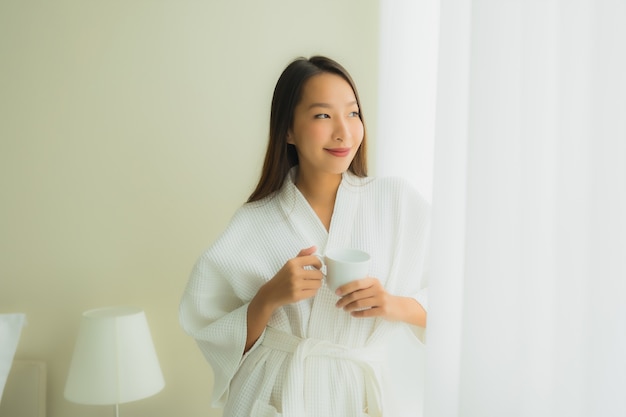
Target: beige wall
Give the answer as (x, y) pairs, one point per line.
(129, 132)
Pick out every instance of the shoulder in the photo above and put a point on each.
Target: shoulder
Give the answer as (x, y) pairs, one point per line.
(244, 224)
(252, 212)
(390, 188)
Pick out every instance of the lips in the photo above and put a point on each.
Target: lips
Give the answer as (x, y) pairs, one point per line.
(339, 152)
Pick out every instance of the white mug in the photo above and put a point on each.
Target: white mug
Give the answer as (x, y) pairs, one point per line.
(343, 266)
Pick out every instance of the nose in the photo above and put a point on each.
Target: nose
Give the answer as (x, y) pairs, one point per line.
(341, 130)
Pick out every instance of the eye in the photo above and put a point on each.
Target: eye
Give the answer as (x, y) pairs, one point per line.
(354, 114)
(322, 116)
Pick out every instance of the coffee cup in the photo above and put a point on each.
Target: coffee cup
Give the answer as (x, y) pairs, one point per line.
(341, 266)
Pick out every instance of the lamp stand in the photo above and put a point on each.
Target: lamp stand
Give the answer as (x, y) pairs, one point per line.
(117, 410)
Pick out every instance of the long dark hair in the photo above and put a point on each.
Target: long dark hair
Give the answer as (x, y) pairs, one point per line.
(281, 156)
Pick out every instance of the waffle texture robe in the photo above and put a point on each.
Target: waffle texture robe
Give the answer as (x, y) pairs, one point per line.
(313, 359)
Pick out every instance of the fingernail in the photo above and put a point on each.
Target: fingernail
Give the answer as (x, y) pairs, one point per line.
(338, 293)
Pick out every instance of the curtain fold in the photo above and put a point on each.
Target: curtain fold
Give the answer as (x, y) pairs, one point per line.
(406, 91)
(528, 288)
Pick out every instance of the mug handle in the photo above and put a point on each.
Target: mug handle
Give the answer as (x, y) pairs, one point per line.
(323, 268)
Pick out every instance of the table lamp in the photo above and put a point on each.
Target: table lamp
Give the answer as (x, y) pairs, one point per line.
(114, 360)
(10, 330)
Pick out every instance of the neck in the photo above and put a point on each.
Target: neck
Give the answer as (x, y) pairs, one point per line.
(320, 190)
(319, 186)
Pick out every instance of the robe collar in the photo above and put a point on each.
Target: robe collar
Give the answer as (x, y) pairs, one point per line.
(305, 221)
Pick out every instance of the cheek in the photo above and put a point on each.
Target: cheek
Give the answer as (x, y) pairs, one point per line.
(316, 132)
(358, 132)
(304, 131)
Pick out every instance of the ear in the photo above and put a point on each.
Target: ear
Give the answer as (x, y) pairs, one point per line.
(290, 137)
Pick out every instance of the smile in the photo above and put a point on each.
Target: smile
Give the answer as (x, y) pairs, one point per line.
(340, 152)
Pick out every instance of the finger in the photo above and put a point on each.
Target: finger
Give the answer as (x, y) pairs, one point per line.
(356, 285)
(364, 302)
(304, 294)
(343, 302)
(312, 285)
(309, 286)
(309, 260)
(349, 298)
(312, 274)
(354, 296)
(307, 251)
(370, 312)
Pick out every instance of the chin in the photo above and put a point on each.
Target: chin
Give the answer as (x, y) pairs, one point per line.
(339, 170)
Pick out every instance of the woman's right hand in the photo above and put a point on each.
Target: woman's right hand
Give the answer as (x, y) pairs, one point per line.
(293, 282)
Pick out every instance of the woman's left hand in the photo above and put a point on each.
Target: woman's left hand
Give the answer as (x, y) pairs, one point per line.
(368, 298)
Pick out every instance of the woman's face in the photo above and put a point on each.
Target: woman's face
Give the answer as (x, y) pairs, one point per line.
(327, 130)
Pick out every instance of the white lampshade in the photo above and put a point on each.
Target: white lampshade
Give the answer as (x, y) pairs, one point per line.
(114, 360)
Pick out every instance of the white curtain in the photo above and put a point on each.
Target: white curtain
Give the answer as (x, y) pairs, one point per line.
(406, 92)
(528, 291)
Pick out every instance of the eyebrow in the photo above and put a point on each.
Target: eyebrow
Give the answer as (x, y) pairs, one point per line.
(327, 106)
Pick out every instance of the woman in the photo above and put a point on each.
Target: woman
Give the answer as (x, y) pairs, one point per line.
(278, 340)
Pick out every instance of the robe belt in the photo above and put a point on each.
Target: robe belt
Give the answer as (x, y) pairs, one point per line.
(293, 386)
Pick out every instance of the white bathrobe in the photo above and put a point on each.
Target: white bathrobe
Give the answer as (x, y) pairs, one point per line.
(313, 359)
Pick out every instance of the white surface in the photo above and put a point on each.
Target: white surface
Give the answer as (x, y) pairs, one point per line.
(409, 32)
(10, 330)
(527, 315)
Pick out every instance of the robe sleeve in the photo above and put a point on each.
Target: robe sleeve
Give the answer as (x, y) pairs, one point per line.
(216, 318)
(414, 249)
(413, 244)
